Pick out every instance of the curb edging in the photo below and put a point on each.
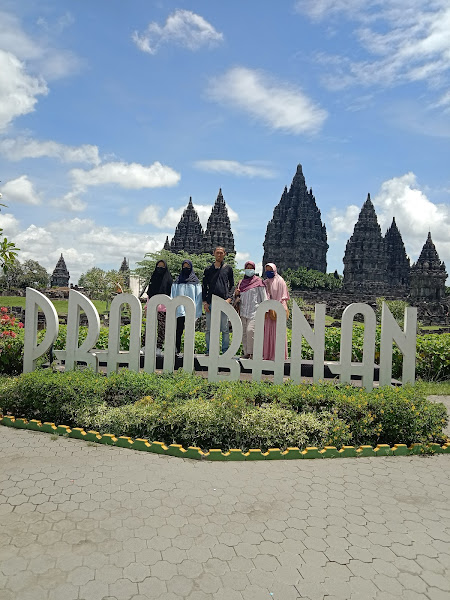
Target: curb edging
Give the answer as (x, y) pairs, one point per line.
(215, 454)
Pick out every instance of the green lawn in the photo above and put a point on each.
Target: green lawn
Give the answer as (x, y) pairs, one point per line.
(60, 305)
(434, 388)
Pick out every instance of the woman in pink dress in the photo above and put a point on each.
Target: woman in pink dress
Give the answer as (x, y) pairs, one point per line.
(276, 290)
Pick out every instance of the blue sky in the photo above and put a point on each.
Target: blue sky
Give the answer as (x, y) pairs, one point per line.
(113, 113)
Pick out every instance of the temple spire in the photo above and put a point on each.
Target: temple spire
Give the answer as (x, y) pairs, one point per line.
(60, 276)
(428, 274)
(218, 230)
(188, 233)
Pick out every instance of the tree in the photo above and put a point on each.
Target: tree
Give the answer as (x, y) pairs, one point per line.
(8, 251)
(34, 275)
(12, 275)
(174, 262)
(102, 285)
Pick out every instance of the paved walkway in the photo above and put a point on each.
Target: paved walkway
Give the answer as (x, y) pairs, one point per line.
(87, 522)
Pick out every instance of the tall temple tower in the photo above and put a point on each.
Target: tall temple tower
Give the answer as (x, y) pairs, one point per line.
(218, 230)
(60, 276)
(365, 254)
(188, 233)
(397, 262)
(166, 244)
(428, 274)
(296, 236)
(125, 270)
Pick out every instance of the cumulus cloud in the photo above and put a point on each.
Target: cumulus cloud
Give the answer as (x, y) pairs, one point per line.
(151, 215)
(415, 215)
(128, 175)
(40, 55)
(183, 27)
(21, 147)
(234, 167)
(18, 90)
(404, 40)
(20, 190)
(71, 201)
(277, 104)
(83, 243)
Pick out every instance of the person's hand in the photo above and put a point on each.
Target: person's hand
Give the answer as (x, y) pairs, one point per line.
(206, 306)
(228, 300)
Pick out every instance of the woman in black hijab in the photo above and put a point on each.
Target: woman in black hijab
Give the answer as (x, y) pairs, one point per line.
(160, 283)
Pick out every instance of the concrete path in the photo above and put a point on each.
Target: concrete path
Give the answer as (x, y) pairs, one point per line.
(89, 522)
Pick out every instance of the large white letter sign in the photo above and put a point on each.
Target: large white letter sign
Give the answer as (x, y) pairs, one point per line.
(32, 350)
(226, 360)
(258, 365)
(345, 368)
(73, 353)
(316, 339)
(115, 355)
(169, 338)
(406, 341)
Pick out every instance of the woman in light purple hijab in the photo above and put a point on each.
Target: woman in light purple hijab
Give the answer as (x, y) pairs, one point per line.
(276, 290)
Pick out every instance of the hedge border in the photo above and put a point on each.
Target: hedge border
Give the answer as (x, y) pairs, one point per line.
(216, 454)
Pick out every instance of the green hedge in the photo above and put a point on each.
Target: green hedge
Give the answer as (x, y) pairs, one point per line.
(188, 410)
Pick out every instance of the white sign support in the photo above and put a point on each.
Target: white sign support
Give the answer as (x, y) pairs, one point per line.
(32, 350)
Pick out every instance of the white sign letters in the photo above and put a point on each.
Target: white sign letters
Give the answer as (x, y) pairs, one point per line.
(215, 362)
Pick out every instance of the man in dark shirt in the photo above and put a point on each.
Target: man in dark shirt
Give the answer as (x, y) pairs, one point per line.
(218, 280)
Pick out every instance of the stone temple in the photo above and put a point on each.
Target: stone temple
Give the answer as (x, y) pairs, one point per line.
(218, 230)
(188, 233)
(60, 276)
(296, 236)
(428, 274)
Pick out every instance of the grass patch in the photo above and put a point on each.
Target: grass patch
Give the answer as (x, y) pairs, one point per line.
(60, 305)
(435, 388)
(187, 409)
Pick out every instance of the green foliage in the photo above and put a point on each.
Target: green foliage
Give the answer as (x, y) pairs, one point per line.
(397, 308)
(11, 343)
(34, 275)
(174, 261)
(309, 279)
(102, 285)
(186, 409)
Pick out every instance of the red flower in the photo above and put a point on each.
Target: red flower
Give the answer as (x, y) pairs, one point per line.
(4, 309)
(20, 325)
(13, 334)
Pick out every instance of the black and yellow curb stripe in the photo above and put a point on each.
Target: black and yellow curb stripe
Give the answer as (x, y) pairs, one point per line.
(216, 454)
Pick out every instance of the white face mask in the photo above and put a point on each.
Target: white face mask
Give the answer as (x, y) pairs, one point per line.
(249, 272)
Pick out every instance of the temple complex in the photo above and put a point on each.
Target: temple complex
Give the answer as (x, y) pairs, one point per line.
(397, 261)
(365, 255)
(60, 276)
(428, 274)
(296, 236)
(188, 233)
(218, 230)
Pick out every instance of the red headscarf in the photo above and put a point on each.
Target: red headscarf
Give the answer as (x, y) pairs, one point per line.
(248, 283)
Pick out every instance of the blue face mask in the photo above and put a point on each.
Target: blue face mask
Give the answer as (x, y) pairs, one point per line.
(270, 274)
(249, 272)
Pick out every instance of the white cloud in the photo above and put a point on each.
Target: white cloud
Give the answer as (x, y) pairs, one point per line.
(130, 176)
(183, 27)
(405, 41)
(83, 243)
(71, 201)
(20, 148)
(234, 167)
(18, 90)
(151, 215)
(415, 215)
(277, 104)
(20, 190)
(41, 57)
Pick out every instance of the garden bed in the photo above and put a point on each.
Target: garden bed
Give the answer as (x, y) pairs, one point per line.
(238, 418)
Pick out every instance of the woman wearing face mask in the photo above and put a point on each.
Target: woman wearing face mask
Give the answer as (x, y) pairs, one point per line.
(160, 283)
(186, 284)
(252, 292)
(276, 290)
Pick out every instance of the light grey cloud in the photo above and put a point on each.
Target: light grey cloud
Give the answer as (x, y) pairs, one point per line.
(233, 167)
(279, 105)
(128, 175)
(183, 27)
(21, 147)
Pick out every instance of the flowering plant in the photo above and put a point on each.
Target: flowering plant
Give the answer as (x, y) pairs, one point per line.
(11, 343)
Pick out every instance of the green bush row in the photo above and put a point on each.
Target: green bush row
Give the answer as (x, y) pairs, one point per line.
(189, 410)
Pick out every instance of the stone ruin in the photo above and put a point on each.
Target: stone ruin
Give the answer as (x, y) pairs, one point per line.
(60, 276)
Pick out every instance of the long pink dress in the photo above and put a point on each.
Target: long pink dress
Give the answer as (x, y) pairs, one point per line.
(276, 290)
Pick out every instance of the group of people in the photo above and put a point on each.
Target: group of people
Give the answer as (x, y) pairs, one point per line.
(218, 280)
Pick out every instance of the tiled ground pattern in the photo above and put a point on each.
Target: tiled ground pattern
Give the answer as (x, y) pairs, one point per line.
(80, 521)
